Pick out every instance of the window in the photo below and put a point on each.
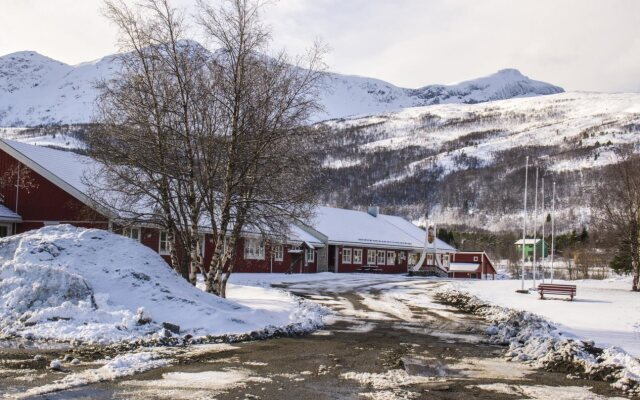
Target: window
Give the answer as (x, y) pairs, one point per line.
(475, 258)
(164, 247)
(429, 259)
(253, 249)
(371, 257)
(278, 252)
(381, 257)
(309, 255)
(446, 260)
(132, 233)
(357, 256)
(4, 230)
(346, 256)
(391, 258)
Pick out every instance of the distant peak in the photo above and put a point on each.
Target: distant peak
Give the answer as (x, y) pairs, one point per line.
(510, 72)
(30, 55)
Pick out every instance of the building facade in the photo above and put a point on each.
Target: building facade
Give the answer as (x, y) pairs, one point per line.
(43, 186)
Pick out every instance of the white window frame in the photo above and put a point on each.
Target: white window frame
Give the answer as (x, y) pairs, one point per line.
(164, 243)
(309, 255)
(475, 258)
(371, 256)
(346, 255)
(391, 257)
(253, 249)
(381, 261)
(430, 260)
(278, 252)
(128, 232)
(357, 256)
(446, 261)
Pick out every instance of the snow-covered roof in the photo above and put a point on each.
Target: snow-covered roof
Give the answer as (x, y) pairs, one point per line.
(68, 171)
(463, 267)
(529, 241)
(297, 234)
(64, 168)
(6, 215)
(353, 227)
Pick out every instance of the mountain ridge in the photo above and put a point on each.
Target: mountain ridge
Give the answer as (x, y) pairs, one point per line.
(38, 90)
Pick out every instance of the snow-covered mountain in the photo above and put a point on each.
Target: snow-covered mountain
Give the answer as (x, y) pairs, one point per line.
(354, 95)
(464, 163)
(37, 90)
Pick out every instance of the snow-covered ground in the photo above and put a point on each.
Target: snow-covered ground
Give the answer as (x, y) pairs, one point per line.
(605, 311)
(58, 140)
(69, 284)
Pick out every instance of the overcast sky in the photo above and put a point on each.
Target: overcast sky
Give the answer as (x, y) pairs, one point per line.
(576, 44)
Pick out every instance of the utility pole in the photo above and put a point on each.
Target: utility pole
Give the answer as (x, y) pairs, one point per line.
(535, 230)
(524, 220)
(553, 226)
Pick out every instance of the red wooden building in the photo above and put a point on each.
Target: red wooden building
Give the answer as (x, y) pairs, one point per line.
(471, 265)
(52, 190)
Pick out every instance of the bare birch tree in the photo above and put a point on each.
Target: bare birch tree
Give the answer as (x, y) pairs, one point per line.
(194, 140)
(616, 208)
(269, 172)
(149, 119)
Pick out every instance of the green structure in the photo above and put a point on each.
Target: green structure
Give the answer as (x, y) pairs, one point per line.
(528, 248)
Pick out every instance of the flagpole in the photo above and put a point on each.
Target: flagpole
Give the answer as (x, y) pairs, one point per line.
(524, 220)
(544, 220)
(535, 230)
(553, 226)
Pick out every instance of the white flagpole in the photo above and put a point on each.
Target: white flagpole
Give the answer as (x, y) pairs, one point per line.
(535, 230)
(544, 220)
(524, 219)
(553, 226)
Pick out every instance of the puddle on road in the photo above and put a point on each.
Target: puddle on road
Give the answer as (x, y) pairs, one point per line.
(543, 392)
(187, 385)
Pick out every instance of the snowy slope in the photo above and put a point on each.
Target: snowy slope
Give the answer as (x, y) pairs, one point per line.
(473, 154)
(36, 90)
(549, 121)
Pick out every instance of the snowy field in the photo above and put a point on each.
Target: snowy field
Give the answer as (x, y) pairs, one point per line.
(605, 311)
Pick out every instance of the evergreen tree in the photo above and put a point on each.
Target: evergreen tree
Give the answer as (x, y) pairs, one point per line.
(621, 262)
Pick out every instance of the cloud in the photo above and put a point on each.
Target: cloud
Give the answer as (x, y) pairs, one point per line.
(577, 44)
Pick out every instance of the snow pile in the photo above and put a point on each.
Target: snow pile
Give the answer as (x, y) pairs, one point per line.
(533, 339)
(66, 283)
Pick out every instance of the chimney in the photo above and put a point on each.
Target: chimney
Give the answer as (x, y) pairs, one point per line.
(374, 211)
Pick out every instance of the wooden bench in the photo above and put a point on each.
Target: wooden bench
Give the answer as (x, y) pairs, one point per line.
(369, 268)
(552, 288)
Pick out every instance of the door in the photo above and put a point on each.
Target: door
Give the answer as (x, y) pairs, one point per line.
(5, 230)
(332, 258)
(323, 263)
